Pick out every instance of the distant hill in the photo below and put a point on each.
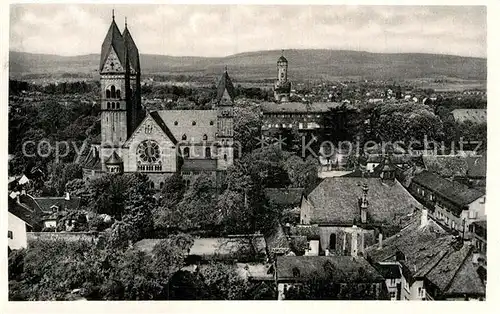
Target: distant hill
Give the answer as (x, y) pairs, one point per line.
(305, 64)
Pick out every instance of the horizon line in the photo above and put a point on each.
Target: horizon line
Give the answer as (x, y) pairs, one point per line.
(256, 51)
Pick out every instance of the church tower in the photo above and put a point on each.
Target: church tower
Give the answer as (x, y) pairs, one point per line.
(113, 89)
(282, 87)
(225, 127)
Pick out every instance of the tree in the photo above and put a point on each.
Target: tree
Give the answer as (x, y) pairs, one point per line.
(302, 173)
(222, 282)
(247, 126)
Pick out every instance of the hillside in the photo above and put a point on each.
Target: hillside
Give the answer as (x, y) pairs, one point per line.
(260, 65)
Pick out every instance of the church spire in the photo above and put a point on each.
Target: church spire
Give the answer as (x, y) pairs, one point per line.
(113, 14)
(125, 22)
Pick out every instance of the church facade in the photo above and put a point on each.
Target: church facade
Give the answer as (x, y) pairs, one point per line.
(157, 143)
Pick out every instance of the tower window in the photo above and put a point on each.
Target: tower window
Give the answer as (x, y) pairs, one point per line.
(108, 105)
(205, 137)
(162, 184)
(112, 105)
(194, 122)
(113, 91)
(186, 152)
(176, 123)
(225, 157)
(108, 93)
(117, 105)
(184, 137)
(211, 123)
(118, 94)
(208, 153)
(152, 185)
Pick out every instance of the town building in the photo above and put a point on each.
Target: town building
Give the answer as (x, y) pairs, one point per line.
(20, 220)
(157, 143)
(434, 264)
(351, 213)
(283, 86)
(342, 271)
(478, 235)
(453, 203)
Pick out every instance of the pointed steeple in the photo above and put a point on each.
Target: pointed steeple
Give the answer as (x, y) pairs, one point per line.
(282, 58)
(131, 48)
(225, 84)
(113, 40)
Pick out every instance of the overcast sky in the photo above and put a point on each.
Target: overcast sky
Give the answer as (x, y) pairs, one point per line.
(222, 30)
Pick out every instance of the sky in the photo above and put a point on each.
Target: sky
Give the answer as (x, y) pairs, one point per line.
(222, 30)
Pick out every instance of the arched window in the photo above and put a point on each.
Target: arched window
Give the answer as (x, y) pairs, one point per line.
(118, 93)
(225, 157)
(176, 123)
(205, 137)
(208, 153)
(108, 93)
(185, 152)
(152, 185)
(112, 105)
(108, 105)
(194, 122)
(113, 91)
(184, 137)
(117, 105)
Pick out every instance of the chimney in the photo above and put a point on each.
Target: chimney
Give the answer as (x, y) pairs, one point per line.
(423, 218)
(380, 237)
(67, 196)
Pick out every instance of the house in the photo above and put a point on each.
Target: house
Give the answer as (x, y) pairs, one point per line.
(20, 221)
(350, 212)
(434, 264)
(453, 203)
(447, 166)
(477, 231)
(392, 275)
(342, 272)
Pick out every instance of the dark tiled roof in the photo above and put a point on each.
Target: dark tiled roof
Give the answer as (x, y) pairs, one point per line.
(453, 191)
(419, 244)
(114, 159)
(444, 271)
(225, 83)
(298, 107)
(476, 167)
(446, 166)
(180, 122)
(161, 123)
(285, 196)
(466, 280)
(199, 165)
(335, 201)
(113, 40)
(388, 271)
(345, 269)
(22, 212)
(46, 203)
(282, 59)
(481, 223)
(132, 51)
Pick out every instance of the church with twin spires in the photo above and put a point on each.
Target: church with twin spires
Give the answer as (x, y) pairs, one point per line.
(157, 143)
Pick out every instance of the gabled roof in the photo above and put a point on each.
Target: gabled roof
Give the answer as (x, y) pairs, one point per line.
(389, 271)
(344, 269)
(46, 203)
(453, 191)
(225, 83)
(113, 40)
(22, 212)
(157, 118)
(132, 51)
(282, 59)
(335, 201)
(180, 122)
(114, 159)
